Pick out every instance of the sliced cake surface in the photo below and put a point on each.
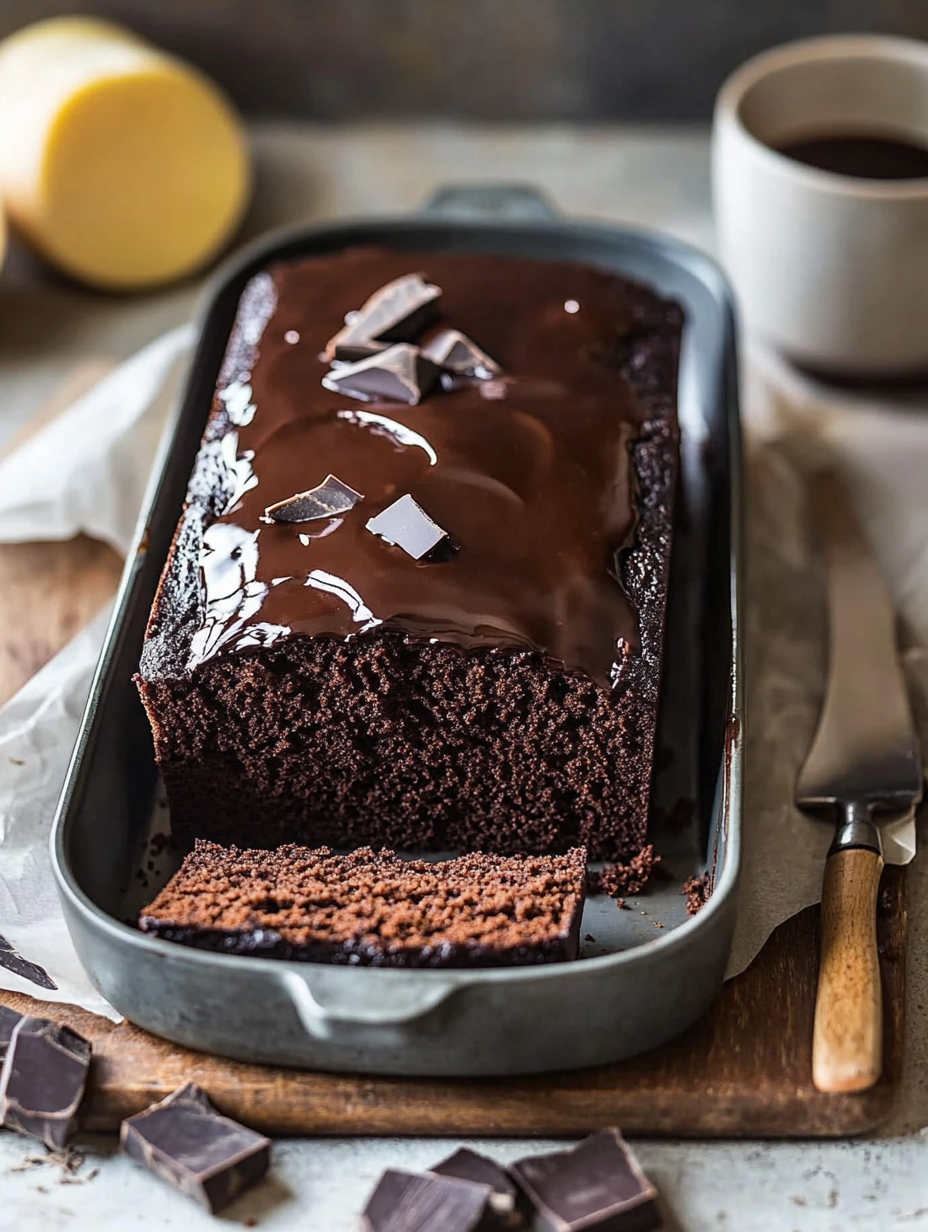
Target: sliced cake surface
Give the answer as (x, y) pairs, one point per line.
(373, 908)
(416, 598)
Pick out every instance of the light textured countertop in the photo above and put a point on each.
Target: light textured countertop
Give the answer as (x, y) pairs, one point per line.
(655, 178)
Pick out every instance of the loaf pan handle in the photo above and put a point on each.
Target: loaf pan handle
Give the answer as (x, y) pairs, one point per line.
(469, 202)
(386, 1020)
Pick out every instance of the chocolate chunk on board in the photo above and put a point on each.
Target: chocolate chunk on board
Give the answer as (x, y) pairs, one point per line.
(399, 374)
(397, 312)
(42, 1080)
(410, 1202)
(406, 525)
(454, 352)
(204, 1154)
(506, 1201)
(598, 1187)
(327, 499)
(8, 1020)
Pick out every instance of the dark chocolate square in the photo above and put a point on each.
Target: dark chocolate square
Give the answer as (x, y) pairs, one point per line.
(597, 1186)
(42, 1080)
(411, 1202)
(204, 1154)
(406, 525)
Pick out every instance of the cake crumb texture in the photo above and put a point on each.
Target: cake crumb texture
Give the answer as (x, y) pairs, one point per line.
(630, 878)
(696, 890)
(373, 908)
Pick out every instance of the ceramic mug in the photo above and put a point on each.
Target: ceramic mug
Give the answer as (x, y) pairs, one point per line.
(831, 269)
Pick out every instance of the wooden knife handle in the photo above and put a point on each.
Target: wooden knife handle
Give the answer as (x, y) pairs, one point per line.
(847, 1041)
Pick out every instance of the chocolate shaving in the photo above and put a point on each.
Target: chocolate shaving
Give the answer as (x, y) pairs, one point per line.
(398, 374)
(455, 353)
(205, 1155)
(330, 498)
(14, 961)
(398, 312)
(406, 525)
(42, 1080)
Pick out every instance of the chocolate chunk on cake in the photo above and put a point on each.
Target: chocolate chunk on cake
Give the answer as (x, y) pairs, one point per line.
(465, 653)
(373, 908)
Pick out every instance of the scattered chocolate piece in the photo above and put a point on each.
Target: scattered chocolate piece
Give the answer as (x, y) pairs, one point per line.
(409, 1202)
(205, 1155)
(42, 1080)
(8, 1020)
(630, 878)
(398, 312)
(696, 891)
(596, 1186)
(398, 374)
(406, 525)
(329, 498)
(467, 1165)
(14, 961)
(454, 351)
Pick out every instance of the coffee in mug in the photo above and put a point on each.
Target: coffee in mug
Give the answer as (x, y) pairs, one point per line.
(820, 183)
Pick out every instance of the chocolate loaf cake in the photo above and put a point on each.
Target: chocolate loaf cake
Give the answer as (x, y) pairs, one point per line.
(374, 909)
(416, 597)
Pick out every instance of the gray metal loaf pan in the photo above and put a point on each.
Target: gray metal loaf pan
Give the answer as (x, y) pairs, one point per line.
(650, 983)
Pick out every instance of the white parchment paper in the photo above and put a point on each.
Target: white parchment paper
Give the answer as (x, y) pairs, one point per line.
(86, 471)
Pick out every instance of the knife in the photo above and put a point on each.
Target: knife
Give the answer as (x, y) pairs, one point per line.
(864, 765)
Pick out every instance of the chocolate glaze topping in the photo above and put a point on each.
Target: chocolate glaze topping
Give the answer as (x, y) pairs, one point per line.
(529, 473)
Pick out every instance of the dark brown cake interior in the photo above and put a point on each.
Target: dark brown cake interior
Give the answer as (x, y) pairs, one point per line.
(374, 909)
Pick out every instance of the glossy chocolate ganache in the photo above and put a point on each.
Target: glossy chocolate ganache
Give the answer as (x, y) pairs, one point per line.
(525, 472)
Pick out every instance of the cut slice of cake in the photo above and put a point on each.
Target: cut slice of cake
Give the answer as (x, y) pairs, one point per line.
(373, 908)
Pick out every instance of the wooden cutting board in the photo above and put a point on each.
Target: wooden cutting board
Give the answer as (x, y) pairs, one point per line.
(744, 1070)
